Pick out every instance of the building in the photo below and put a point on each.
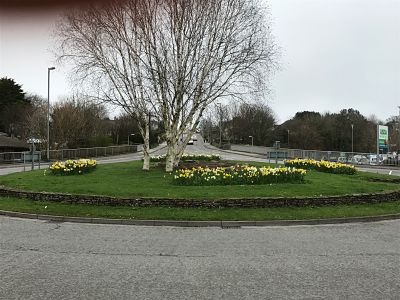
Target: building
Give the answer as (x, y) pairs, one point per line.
(9, 144)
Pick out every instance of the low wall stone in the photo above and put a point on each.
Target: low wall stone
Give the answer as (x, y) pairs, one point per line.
(208, 203)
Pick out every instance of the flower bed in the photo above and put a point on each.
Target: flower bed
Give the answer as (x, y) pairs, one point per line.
(321, 166)
(72, 167)
(185, 157)
(239, 174)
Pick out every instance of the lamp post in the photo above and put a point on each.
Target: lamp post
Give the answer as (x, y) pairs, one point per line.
(132, 134)
(252, 141)
(352, 139)
(398, 138)
(288, 137)
(220, 124)
(48, 111)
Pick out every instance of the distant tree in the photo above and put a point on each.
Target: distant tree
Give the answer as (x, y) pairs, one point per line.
(125, 125)
(35, 121)
(11, 92)
(330, 131)
(238, 122)
(304, 131)
(364, 132)
(13, 104)
(394, 133)
(78, 123)
(253, 119)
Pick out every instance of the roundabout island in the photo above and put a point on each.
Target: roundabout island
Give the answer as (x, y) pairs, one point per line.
(204, 191)
(237, 250)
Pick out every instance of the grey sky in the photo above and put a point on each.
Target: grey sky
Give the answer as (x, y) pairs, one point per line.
(335, 54)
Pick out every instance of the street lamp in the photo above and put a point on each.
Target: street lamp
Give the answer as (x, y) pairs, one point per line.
(288, 137)
(48, 111)
(220, 123)
(398, 138)
(352, 140)
(132, 134)
(252, 140)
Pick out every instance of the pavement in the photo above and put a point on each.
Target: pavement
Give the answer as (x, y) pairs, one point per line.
(47, 260)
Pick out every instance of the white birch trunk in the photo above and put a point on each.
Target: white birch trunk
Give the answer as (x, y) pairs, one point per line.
(171, 148)
(170, 159)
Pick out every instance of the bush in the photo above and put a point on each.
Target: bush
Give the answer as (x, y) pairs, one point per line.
(321, 166)
(72, 167)
(239, 174)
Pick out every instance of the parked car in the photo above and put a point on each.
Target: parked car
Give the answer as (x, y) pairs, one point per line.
(360, 160)
(190, 142)
(194, 137)
(376, 160)
(373, 160)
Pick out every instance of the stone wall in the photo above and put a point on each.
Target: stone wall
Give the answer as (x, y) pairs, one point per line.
(210, 203)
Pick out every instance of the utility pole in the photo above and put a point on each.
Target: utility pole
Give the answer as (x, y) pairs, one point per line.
(220, 124)
(288, 138)
(398, 139)
(352, 139)
(48, 111)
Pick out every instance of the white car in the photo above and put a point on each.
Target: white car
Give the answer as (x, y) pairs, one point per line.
(190, 142)
(360, 160)
(194, 137)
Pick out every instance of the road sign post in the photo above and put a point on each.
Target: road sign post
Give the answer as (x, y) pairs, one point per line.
(382, 139)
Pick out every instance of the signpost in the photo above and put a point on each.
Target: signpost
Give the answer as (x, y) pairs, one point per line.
(382, 139)
(277, 145)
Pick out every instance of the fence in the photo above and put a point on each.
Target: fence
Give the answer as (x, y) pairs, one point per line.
(63, 154)
(357, 158)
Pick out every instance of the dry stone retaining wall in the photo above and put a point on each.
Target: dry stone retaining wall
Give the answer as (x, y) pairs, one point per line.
(209, 203)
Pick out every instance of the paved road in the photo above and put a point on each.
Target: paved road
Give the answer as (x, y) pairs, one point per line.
(198, 147)
(41, 260)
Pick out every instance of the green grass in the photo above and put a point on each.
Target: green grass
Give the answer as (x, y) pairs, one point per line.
(165, 213)
(128, 180)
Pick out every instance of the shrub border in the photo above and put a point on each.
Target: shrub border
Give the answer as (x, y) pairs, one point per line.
(379, 197)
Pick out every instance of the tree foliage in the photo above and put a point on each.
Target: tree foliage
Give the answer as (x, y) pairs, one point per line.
(329, 131)
(78, 123)
(13, 105)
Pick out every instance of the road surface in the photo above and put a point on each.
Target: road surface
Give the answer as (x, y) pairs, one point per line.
(42, 260)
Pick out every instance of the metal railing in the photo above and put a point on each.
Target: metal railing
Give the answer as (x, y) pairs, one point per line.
(357, 158)
(63, 154)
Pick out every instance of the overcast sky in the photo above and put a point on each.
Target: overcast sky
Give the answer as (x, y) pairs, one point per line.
(335, 54)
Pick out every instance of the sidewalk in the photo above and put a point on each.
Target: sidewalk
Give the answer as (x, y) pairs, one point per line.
(8, 169)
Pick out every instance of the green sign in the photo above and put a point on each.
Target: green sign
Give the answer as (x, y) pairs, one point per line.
(383, 137)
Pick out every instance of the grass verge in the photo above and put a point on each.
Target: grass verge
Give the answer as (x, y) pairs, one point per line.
(166, 213)
(128, 180)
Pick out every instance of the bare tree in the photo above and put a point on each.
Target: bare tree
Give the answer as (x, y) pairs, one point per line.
(76, 122)
(172, 58)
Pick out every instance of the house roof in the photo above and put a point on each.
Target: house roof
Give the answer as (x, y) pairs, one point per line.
(12, 143)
